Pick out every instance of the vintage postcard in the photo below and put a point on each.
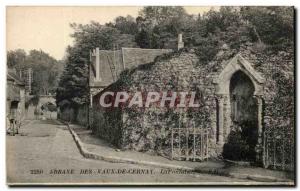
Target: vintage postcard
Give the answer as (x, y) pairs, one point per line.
(153, 95)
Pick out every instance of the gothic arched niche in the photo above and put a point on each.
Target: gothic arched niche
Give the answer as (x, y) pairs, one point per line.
(244, 133)
(243, 104)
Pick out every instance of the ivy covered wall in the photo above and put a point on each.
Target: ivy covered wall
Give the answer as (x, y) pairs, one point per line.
(149, 129)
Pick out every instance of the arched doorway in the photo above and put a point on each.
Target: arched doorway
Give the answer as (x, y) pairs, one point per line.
(239, 81)
(243, 136)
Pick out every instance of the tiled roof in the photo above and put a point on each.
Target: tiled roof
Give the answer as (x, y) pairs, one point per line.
(14, 86)
(112, 63)
(11, 75)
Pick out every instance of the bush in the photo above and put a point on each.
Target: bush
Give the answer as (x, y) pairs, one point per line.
(241, 143)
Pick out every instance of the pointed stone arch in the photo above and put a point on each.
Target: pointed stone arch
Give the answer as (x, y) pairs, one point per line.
(238, 63)
(222, 84)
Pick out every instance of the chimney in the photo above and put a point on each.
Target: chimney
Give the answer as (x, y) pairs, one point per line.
(98, 77)
(180, 44)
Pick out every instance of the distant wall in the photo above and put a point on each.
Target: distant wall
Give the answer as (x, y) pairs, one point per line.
(82, 115)
(35, 111)
(67, 115)
(78, 115)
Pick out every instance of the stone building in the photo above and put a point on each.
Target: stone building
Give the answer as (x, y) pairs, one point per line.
(107, 65)
(246, 107)
(15, 99)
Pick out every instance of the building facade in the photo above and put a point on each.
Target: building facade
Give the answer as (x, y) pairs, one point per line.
(15, 101)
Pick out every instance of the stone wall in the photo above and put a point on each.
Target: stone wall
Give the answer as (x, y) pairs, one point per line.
(149, 129)
(106, 123)
(35, 111)
(279, 88)
(82, 115)
(67, 115)
(78, 115)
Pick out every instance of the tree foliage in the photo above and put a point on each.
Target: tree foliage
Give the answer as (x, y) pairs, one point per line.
(274, 25)
(126, 25)
(159, 25)
(16, 57)
(73, 85)
(270, 28)
(46, 69)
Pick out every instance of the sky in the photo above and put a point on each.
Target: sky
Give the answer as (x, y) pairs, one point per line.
(48, 29)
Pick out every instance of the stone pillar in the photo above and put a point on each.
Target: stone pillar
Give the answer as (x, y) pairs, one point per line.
(214, 122)
(227, 116)
(180, 44)
(29, 79)
(259, 146)
(91, 99)
(22, 103)
(220, 101)
(98, 77)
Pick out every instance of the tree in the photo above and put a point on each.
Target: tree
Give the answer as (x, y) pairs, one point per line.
(160, 15)
(158, 25)
(49, 107)
(16, 58)
(274, 25)
(73, 84)
(214, 29)
(143, 39)
(126, 25)
(46, 69)
(45, 72)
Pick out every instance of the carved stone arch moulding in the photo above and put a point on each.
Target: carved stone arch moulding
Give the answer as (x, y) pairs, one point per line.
(238, 63)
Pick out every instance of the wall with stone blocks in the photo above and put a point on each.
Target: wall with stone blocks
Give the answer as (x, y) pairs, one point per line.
(150, 129)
